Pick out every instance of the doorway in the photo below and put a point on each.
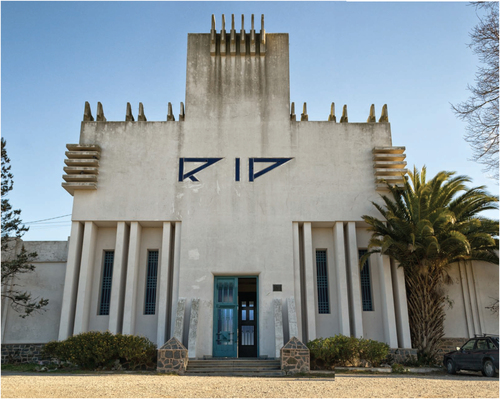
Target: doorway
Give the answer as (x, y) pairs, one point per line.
(235, 317)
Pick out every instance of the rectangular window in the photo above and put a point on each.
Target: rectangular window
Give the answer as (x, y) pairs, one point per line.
(322, 281)
(152, 275)
(366, 286)
(107, 277)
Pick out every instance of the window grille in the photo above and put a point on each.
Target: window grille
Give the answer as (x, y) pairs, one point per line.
(107, 277)
(322, 281)
(366, 286)
(150, 300)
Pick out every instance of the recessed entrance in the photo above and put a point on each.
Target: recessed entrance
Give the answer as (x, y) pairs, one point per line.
(235, 317)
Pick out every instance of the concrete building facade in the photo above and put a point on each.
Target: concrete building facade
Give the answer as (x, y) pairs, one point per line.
(236, 225)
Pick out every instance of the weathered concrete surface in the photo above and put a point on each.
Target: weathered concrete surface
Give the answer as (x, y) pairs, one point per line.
(193, 327)
(292, 318)
(179, 319)
(278, 326)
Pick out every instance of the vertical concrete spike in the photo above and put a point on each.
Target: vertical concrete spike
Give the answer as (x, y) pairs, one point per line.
(170, 114)
(181, 114)
(141, 117)
(344, 118)
(304, 116)
(232, 45)
(100, 113)
(371, 117)
(252, 38)
(87, 113)
(385, 116)
(128, 115)
(213, 37)
(332, 117)
(223, 49)
(262, 37)
(243, 43)
(292, 113)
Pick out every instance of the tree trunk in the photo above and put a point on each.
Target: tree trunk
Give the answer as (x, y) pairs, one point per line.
(425, 311)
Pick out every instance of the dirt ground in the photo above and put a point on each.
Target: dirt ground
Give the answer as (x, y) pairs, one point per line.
(30, 385)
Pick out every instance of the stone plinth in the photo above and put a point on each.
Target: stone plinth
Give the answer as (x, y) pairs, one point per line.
(295, 357)
(172, 357)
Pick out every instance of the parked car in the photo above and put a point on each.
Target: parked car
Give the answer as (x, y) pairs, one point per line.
(477, 354)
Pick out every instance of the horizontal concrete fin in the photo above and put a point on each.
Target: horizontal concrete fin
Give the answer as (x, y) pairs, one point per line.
(389, 150)
(83, 154)
(81, 162)
(80, 170)
(79, 147)
(71, 187)
(80, 178)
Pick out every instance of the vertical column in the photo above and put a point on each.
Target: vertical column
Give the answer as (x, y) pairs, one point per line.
(163, 288)
(118, 283)
(401, 306)
(309, 272)
(131, 283)
(71, 281)
(388, 316)
(85, 281)
(465, 295)
(473, 298)
(176, 275)
(297, 278)
(355, 301)
(341, 278)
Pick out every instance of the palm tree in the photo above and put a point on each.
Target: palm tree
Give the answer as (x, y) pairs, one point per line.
(426, 227)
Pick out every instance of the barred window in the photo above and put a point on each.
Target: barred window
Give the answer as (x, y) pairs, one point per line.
(107, 277)
(152, 275)
(366, 286)
(322, 281)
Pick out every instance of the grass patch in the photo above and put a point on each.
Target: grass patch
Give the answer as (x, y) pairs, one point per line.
(26, 367)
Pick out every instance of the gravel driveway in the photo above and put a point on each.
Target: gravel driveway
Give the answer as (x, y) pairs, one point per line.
(168, 386)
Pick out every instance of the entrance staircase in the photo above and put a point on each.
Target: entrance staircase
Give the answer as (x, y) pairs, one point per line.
(251, 367)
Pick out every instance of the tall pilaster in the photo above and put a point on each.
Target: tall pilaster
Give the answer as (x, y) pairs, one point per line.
(388, 315)
(163, 297)
(83, 299)
(130, 305)
(341, 278)
(297, 279)
(119, 273)
(176, 275)
(71, 281)
(309, 273)
(401, 306)
(355, 301)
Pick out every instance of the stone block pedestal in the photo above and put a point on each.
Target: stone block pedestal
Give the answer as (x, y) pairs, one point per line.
(295, 357)
(172, 357)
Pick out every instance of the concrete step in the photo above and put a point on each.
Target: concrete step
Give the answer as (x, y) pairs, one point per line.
(234, 367)
(237, 373)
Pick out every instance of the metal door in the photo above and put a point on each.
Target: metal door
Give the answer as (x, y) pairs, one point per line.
(247, 315)
(225, 340)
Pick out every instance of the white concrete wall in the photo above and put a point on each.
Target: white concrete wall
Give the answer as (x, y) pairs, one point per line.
(327, 325)
(372, 320)
(47, 281)
(146, 325)
(106, 240)
(469, 298)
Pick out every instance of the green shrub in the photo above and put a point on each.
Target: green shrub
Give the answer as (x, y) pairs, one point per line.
(97, 349)
(346, 351)
(374, 352)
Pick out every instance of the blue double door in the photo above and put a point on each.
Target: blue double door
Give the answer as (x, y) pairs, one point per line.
(235, 317)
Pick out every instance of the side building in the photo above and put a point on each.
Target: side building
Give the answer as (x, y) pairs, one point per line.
(240, 212)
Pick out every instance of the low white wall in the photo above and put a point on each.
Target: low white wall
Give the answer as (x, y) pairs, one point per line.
(46, 281)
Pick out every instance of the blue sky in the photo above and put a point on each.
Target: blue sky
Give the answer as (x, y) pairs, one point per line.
(57, 55)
